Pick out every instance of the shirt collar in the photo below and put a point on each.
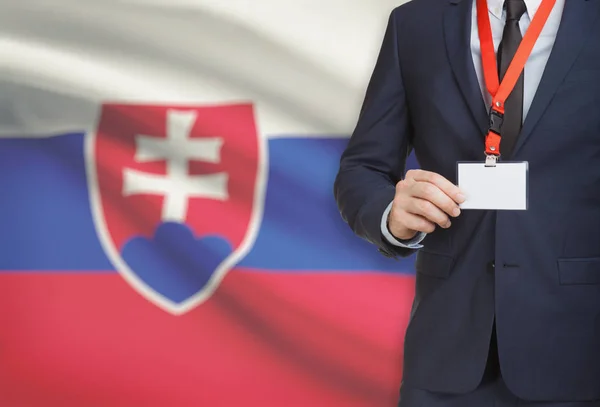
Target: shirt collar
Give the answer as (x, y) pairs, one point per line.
(496, 7)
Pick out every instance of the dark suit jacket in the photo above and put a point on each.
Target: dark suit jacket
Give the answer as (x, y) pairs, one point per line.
(545, 288)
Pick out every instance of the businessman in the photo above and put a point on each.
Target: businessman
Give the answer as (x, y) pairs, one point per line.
(507, 303)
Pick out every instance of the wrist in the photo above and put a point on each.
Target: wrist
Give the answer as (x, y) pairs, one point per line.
(404, 234)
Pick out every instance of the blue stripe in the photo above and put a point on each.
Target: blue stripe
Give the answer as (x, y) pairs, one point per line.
(47, 223)
(302, 228)
(45, 217)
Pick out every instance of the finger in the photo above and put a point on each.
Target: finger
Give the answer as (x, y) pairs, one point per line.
(439, 181)
(416, 223)
(429, 211)
(430, 192)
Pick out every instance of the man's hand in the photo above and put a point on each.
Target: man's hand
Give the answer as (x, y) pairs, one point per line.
(423, 200)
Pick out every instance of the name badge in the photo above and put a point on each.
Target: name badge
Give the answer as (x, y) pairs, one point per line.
(502, 186)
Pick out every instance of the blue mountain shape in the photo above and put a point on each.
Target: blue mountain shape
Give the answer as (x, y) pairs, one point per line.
(174, 262)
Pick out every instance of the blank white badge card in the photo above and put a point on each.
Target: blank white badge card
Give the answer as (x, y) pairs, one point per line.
(503, 187)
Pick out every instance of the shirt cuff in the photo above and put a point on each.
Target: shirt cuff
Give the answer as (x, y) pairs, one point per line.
(413, 243)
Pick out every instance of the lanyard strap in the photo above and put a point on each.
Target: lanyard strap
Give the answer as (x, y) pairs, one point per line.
(501, 91)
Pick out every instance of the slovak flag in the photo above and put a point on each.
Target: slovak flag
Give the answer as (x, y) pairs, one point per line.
(168, 233)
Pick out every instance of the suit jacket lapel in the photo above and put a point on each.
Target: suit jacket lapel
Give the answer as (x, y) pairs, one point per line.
(457, 34)
(577, 20)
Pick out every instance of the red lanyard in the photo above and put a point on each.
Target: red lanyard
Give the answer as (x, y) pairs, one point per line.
(501, 91)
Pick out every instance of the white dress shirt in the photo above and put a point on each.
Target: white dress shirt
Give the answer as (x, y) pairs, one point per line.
(534, 68)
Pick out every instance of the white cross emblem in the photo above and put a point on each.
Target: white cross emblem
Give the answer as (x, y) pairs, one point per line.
(177, 149)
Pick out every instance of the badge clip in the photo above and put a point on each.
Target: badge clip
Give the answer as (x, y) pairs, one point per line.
(490, 160)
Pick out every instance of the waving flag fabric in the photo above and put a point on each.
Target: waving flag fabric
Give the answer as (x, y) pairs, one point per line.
(168, 230)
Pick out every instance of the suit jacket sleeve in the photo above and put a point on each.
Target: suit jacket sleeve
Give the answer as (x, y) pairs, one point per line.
(374, 160)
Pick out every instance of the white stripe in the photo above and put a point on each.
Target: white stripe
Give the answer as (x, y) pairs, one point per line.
(304, 64)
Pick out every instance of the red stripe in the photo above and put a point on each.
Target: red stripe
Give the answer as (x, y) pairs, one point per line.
(264, 339)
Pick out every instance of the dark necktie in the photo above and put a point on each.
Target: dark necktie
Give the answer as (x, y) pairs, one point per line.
(513, 107)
